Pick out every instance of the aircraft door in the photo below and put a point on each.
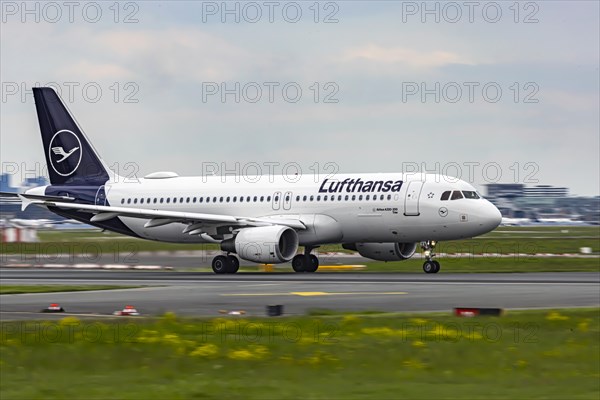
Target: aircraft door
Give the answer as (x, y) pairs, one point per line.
(276, 200)
(411, 200)
(287, 201)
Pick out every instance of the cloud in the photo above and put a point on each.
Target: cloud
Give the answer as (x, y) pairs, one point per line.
(178, 53)
(404, 56)
(86, 69)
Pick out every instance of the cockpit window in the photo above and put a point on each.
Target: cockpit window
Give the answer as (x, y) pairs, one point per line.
(470, 194)
(446, 195)
(456, 195)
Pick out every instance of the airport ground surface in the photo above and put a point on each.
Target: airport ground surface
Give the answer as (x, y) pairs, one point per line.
(75, 257)
(206, 294)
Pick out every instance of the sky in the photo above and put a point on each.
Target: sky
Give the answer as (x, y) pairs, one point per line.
(490, 92)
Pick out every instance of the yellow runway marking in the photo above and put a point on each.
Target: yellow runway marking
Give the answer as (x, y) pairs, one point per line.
(308, 294)
(339, 267)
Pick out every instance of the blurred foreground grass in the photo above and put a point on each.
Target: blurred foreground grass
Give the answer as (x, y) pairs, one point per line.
(526, 354)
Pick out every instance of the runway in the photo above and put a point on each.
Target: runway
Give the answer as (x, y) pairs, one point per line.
(205, 294)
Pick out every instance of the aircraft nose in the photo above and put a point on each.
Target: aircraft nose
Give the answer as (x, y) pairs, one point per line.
(491, 217)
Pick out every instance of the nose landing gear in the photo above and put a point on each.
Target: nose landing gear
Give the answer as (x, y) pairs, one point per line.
(430, 266)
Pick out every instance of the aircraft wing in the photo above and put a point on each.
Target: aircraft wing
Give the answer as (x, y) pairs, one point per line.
(159, 217)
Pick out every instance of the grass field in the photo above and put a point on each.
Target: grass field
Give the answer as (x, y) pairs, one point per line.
(510, 241)
(529, 240)
(549, 354)
(21, 289)
(491, 264)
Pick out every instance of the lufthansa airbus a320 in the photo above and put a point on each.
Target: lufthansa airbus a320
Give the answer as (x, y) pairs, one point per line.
(382, 216)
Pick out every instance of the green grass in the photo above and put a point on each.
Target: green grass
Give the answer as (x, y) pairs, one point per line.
(503, 240)
(534, 354)
(20, 289)
(491, 264)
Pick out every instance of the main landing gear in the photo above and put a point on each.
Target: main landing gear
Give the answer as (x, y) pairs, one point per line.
(225, 264)
(305, 262)
(430, 266)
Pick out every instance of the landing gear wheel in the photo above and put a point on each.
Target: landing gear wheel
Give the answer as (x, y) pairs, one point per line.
(233, 264)
(220, 265)
(313, 263)
(298, 263)
(429, 267)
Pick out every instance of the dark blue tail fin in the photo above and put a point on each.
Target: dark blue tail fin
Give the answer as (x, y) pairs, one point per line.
(70, 157)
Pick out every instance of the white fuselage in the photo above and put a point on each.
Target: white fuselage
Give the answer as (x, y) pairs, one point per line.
(333, 211)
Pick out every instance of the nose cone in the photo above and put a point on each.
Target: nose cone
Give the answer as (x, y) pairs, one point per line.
(491, 217)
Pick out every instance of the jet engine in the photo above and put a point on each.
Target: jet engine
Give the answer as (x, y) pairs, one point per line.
(264, 244)
(384, 251)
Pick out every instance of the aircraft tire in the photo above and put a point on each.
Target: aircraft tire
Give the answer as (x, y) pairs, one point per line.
(313, 263)
(429, 267)
(298, 263)
(220, 265)
(233, 264)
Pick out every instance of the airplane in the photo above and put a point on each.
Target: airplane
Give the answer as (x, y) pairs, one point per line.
(507, 221)
(540, 221)
(383, 216)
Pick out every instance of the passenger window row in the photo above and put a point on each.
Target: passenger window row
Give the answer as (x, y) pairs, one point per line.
(247, 199)
(215, 199)
(340, 197)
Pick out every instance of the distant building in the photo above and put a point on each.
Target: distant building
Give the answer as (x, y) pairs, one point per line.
(519, 201)
(5, 184)
(504, 190)
(545, 191)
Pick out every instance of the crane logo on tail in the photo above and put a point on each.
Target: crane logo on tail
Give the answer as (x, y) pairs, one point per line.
(61, 152)
(62, 161)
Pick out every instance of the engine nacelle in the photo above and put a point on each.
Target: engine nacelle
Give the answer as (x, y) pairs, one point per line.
(384, 251)
(264, 244)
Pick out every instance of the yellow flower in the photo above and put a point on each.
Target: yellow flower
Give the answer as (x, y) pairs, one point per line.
(555, 316)
(241, 354)
(206, 350)
(378, 331)
(418, 344)
(584, 325)
(254, 352)
(260, 351)
(148, 336)
(171, 338)
(350, 319)
(69, 321)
